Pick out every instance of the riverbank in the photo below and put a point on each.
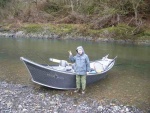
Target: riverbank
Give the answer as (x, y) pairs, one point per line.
(21, 34)
(16, 98)
(118, 34)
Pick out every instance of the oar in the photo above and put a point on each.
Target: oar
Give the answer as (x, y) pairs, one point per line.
(57, 60)
(54, 60)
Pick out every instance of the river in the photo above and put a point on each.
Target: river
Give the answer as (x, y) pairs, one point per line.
(128, 81)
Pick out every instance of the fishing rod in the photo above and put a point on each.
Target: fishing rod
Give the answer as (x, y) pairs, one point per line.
(36, 54)
(110, 63)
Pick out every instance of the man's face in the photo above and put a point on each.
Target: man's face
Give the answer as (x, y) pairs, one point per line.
(80, 51)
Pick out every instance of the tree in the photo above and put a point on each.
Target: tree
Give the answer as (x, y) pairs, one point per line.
(135, 5)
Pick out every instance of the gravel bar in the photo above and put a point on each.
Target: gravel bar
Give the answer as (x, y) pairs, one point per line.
(16, 98)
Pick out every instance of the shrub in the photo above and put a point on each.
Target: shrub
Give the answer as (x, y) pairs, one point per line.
(3, 3)
(31, 28)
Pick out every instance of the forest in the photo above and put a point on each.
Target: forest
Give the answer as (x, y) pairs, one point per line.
(98, 18)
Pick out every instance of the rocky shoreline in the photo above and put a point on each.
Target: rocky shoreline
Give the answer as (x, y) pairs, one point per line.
(22, 34)
(16, 98)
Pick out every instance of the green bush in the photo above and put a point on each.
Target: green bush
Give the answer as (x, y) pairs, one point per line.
(51, 7)
(32, 28)
(61, 28)
(147, 32)
(121, 31)
(3, 3)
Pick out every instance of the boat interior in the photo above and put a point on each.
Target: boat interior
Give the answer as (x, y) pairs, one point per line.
(95, 67)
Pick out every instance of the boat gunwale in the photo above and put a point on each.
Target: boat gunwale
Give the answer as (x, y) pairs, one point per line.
(70, 73)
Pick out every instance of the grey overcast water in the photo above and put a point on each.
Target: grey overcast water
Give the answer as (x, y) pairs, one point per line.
(128, 81)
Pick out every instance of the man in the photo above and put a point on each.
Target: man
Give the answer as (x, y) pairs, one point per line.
(82, 66)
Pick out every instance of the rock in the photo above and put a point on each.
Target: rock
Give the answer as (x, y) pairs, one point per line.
(2, 30)
(52, 103)
(24, 110)
(19, 34)
(100, 108)
(24, 99)
(20, 106)
(9, 104)
(126, 109)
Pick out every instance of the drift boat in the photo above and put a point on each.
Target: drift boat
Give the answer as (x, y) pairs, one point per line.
(62, 76)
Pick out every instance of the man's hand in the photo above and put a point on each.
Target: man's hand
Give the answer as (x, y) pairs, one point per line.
(70, 53)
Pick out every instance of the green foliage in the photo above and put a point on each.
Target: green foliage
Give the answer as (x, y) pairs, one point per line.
(90, 9)
(61, 29)
(32, 28)
(94, 33)
(87, 8)
(121, 31)
(3, 3)
(146, 33)
(51, 7)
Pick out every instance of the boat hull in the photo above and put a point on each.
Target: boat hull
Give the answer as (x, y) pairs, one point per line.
(56, 79)
(51, 78)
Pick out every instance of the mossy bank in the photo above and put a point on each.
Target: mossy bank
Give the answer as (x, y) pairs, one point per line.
(121, 33)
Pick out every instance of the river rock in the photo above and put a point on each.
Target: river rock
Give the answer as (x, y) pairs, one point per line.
(16, 98)
(19, 34)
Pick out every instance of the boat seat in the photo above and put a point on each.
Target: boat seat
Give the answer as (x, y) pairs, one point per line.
(97, 66)
(63, 63)
(62, 68)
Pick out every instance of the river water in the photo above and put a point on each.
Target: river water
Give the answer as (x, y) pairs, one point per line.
(128, 81)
